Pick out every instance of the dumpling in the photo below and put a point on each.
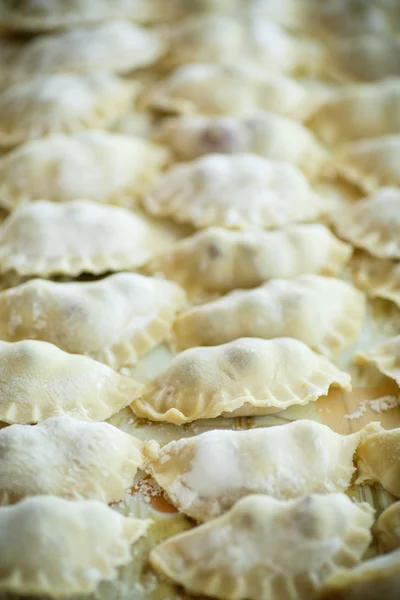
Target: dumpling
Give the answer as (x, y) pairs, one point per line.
(206, 474)
(378, 458)
(263, 133)
(371, 163)
(387, 529)
(38, 381)
(365, 57)
(288, 13)
(356, 112)
(104, 167)
(10, 46)
(31, 15)
(61, 104)
(202, 38)
(266, 549)
(238, 191)
(115, 46)
(114, 320)
(136, 124)
(373, 224)
(278, 51)
(324, 313)
(216, 261)
(233, 89)
(378, 278)
(68, 458)
(207, 88)
(59, 548)
(45, 239)
(351, 17)
(374, 579)
(246, 377)
(220, 38)
(386, 357)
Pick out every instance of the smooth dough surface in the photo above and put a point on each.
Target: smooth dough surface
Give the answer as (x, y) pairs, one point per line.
(365, 57)
(233, 89)
(378, 458)
(290, 14)
(59, 548)
(31, 15)
(221, 38)
(373, 579)
(216, 260)
(206, 474)
(350, 17)
(386, 357)
(275, 49)
(206, 37)
(65, 103)
(377, 277)
(114, 320)
(45, 238)
(262, 133)
(38, 380)
(68, 458)
(358, 112)
(371, 163)
(373, 223)
(114, 46)
(108, 168)
(246, 377)
(323, 312)
(387, 528)
(234, 191)
(267, 549)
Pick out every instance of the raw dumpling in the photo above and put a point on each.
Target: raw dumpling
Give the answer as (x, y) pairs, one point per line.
(324, 313)
(366, 57)
(38, 381)
(278, 51)
(233, 89)
(246, 377)
(378, 458)
(206, 474)
(288, 13)
(34, 15)
(113, 320)
(357, 112)
(267, 549)
(216, 261)
(387, 529)
(371, 163)
(136, 124)
(263, 133)
(220, 38)
(378, 278)
(45, 239)
(386, 357)
(68, 458)
(61, 104)
(116, 46)
(10, 46)
(208, 37)
(374, 579)
(207, 88)
(373, 224)
(59, 548)
(95, 165)
(238, 191)
(351, 17)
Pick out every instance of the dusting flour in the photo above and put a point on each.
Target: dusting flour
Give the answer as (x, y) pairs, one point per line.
(379, 405)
